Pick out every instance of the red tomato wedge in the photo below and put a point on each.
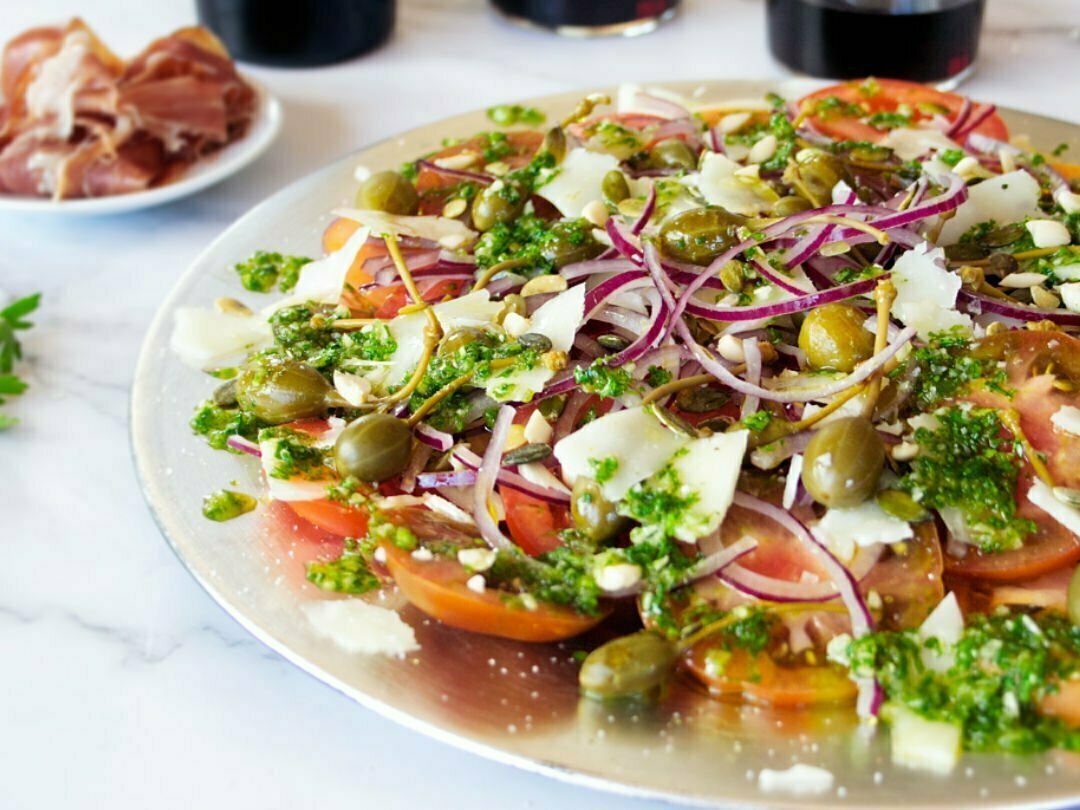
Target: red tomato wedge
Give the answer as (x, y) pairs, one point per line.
(759, 679)
(438, 588)
(1064, 703)
(922, 101)
(534, 524)
(434, 186)
(333, 517)
(1027, 356)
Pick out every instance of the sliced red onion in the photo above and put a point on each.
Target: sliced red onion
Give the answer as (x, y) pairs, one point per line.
(957, 126)
(568, 419)
(660, 107)
(633, 322)
(511, 479)
(434, 438)
(242, 445)
(689, 129)
(976, 304)
(870, 697)
(446, 478)
(779, 279)
(622, 240)
(417, 461)
(752, 357)
(459, 174)
(973, 122)
(505, 283)
(485, 482)
(716, 141)
(787, 307)
(589, 347)
(646, 212)
(599, 295)
(572, 272)
(721, 559)
(812, 242)
(952, 197)
(773, 454)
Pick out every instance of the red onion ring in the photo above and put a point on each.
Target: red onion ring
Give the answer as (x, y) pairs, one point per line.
(485, 482)
(242, 445)
(976, 304)
(459, 174)
(436, 439)
(511, 479)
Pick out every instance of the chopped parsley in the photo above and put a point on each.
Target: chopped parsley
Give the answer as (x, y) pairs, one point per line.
(950, 157)
(945, 368)
(13, 319)
(349, 573)
(599, 378)
(967, 464)
(1003, 666)
(506, 115)
(295, 455)
(835, 107)
(604, 469)
(1060, 149)
(657, 376)
(888, 120)
(218, 424)
(305, 333)
(758, 420)
(225, 505)
(562, 576)
(263, 270)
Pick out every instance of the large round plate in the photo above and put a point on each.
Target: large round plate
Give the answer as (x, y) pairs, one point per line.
(201, 174)
(512, 702)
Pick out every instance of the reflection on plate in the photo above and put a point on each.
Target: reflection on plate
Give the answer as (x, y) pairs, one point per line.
(201, 174)
(512, 702)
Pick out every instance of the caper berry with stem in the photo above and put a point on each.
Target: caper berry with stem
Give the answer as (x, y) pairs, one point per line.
(568, 242)
(278, 391)
(374, 447)
(388, 191)
(834, 337)
(594, 515)
(843, 462)
(630, 667)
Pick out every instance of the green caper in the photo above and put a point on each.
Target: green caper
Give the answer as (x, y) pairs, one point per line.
(555, 143)
(843, 462)
(834, 337)
(388, 191)
(594, 515)
(613, 343)
(900, 504)
(614, 187)
(373, 448)
(672, 154)
(701, 400)
(460, 337)
(1002, 264)
(502, 201)
(733, 276)
(635, 666)
(535, 341)
(225, 394)
(786, 206)
(569, 242)
(966, 252)
(700, 235)
(869, 153)
(278, 391)
(815, 175)
(1006, 235)
(1072, 597)
(526, 454)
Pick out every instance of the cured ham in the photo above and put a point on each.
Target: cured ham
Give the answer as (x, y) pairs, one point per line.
(78, 121)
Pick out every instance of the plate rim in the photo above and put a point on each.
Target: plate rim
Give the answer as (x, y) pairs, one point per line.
(227, 161)
(139, 423)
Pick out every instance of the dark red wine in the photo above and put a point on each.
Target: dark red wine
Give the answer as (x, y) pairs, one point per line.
(920, 40)
(298, 33)
(617, 16)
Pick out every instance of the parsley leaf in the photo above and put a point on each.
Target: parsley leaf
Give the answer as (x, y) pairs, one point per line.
(13, 319)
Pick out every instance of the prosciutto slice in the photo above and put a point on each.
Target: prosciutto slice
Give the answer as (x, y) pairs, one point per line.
(77, 121)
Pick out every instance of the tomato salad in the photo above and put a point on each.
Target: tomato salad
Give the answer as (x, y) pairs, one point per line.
(799, 379)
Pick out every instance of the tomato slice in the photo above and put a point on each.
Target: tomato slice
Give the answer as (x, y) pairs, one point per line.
(1027, 356)
(438, 588)
(534, 524)
(757, 678)
(1064, 703)
(923, 101)
(333, 517)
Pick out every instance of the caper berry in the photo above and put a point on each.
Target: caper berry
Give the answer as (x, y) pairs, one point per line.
(1072, 597)
(535, 341)
(526, 454)
(672, 153)
(555, 143)
(278, 391)
(594, 515)
(834, 337)
(635, 666)
(815, 175)
(843, 462)
(502, 201)
(388, 191)
(373, 448)
(701, 234)
(568, 242)
(614, 187)
(225, 394)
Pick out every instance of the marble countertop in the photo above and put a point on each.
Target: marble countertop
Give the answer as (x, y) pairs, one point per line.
(123, 685)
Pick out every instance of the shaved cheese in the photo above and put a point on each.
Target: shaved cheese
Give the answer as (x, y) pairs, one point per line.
(1067, 418)
(1043, 497)
(560, 318)
(203, 338)
(634, 437)
(359, 627)
(579, 181)
(720, 185)
(1004, 199)
(408, 333)
(925, 745)
(926, 291)
(946, 624)
(474, 309)
(354, 388)
(538, 430)
(517, 384)
(843, 530)
(799, 780)
(1070, 295)
(709, 468)
(324, 280)
(450, 233)
(909, 144)
(536, 473)
(289, 489)
(1046, 233)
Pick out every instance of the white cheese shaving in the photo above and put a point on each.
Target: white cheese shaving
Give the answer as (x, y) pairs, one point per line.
(1067, 419)
(1047, 233)
(926, 291)
(354, 388)
(843, 530)
(720, 185)
(1070, 295)
(289, 489)
(922, 744)
(324, 279)
(709, 468)
(537, 473)
(946, 624)
(799, 780)
(1005, 198)
(538, 430)
(1043, 497)
(909, 144)
(437, 503)
(359, 627)
(203, 338)
(579, 180)
(651, 447)
(450, 233)
(617, 577)
(474, 309)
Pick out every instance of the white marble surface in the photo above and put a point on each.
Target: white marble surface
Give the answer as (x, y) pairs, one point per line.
(122, 685)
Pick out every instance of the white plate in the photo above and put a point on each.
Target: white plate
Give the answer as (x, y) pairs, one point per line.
(201, 174)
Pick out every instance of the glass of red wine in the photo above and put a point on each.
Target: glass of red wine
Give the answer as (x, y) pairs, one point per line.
(590, 18)
(933, 41)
